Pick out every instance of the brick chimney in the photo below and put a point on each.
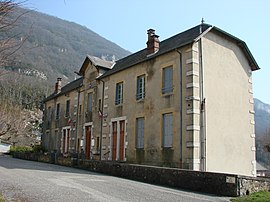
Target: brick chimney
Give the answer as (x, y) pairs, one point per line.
(58, 85)
(153, 42)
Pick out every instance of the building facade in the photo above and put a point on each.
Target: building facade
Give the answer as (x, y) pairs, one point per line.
(184, 102)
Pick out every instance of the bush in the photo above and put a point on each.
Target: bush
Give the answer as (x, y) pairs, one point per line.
(38, 149)
(20, 149)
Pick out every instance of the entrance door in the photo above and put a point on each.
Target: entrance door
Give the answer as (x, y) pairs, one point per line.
(87, 141)
(114, 140)
(118, 140)
(65, 140)
(122, 140)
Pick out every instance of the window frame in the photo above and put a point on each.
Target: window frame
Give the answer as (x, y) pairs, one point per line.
(140, 90)
(167, 83)
(119, 93)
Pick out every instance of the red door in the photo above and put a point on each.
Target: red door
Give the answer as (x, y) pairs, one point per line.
(114, 141)
(122, 138)
(64, 141)
(87, 141)
(68, 137)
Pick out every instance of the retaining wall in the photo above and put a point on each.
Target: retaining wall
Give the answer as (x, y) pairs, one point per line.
(207, 182)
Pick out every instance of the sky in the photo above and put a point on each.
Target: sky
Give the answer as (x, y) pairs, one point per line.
(125, 22)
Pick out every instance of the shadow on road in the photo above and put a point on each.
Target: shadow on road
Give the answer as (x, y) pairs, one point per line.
(6, 161)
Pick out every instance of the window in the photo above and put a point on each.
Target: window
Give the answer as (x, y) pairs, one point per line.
(67, 108)
(140, 133)
(140, 87)
(119, 93)
(49, 113)
(80, 109)
(167, 130)
(57, 114)
(90, 102)
(167, 84)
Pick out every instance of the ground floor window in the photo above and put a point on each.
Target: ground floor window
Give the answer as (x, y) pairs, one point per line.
(167, 128)
(140, 133)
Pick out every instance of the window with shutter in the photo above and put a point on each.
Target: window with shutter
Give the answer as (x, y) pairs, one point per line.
(140, 133)
(119, 93)
(90, 102)
(140, 94)
(167, 130)
(57, 114)
(67, 108)
(167, 85)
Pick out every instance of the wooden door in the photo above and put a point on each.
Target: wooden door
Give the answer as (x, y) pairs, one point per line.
(64, 142)
(68, 138)
(87, 141)
(114, 140)
(122, 140)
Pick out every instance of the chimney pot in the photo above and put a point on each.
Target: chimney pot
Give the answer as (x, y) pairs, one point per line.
(153, 42)
(58, 85)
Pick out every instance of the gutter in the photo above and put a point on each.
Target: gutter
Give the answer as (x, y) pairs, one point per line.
(202, 108)
(101, 121)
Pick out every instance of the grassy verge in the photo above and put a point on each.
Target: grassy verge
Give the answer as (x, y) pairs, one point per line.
(1, 198)
(262, 196)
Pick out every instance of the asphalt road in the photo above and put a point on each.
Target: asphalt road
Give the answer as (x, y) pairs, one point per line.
(22, 180)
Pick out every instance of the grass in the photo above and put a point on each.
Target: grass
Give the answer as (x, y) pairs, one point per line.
(2, 198)
(262, 196)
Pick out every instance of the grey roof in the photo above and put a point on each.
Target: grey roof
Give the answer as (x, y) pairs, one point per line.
(65, 89)
(100, 62)
(177, 41)
(260, 167)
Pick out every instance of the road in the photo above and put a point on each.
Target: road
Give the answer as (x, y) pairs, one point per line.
(22, 180)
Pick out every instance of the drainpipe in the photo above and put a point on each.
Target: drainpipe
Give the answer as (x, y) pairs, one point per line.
(101, 121)
(202, 110)
(77, 121)
(181, 106)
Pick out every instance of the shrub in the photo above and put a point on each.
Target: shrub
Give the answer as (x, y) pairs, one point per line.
(20, 149)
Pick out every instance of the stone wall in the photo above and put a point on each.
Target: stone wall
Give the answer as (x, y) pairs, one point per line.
(207, 182)
(247, 185)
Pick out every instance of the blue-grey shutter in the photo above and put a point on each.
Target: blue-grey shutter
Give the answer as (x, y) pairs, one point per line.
(167, 80)
(89, 102)
(140, 133)
(167, 130)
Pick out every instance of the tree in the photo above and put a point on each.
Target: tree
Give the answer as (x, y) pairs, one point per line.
(9, 44)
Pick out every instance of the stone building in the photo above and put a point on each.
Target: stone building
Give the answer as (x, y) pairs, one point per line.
(184, 102)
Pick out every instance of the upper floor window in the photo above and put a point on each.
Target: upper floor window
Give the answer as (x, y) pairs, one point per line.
(49, 111)
(67, 108)
(57, 114)
(167, 80)
(90, 102)
(119, 93)
(140, 94)
(167, 127)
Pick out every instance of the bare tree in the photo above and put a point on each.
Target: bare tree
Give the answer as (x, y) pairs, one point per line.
(9, 43)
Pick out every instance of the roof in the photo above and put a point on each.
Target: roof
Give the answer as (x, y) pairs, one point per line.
(260, 167)
(65, 89)
(184, 38)
(97, 62)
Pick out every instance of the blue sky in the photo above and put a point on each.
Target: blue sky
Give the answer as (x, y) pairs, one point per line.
(125, 23)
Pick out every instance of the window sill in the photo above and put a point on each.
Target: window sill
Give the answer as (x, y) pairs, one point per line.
(167, 94)
(140, 100)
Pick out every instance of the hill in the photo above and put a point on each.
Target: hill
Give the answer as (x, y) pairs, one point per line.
(55, 48)
(47, 48)
(262, 117)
